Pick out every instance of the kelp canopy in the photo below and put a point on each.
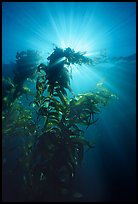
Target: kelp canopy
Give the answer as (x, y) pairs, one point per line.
(51, 125)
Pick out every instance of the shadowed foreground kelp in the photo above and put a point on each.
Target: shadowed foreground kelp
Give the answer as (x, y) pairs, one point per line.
(53, 140)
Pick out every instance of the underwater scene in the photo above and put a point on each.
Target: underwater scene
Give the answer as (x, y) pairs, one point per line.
(68, 101)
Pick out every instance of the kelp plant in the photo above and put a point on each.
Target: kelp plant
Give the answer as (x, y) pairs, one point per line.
(59, 149)
(58, 143)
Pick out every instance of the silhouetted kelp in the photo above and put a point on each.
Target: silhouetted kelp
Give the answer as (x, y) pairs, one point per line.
(54, 148)
(25, 67)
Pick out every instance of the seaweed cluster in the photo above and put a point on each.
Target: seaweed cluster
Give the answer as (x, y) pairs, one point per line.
(55, 149)
(25, 67)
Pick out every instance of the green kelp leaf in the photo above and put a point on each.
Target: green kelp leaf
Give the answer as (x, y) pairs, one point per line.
(50, 88)
(62, 90)
(62, 97)
(86, 122)
(54, 114)
(27, 90)
(81, 140)
(56, 105)
(87, 111)
(52, 122)
(84, 116)
(46, 102)
(34, 103)
(81, 99)
(91, 123)
(42, 68)
(56, 129)
(7, 131)
(52, 117)
(94, 108)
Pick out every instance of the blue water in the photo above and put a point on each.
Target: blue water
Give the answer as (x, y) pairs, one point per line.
(108, 171)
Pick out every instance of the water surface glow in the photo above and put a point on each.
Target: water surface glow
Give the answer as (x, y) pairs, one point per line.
(83, 26)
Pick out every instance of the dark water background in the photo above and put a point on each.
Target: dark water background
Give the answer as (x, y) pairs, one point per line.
(108, 172)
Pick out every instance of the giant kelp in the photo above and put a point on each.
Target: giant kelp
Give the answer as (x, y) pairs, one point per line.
(54, 148)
